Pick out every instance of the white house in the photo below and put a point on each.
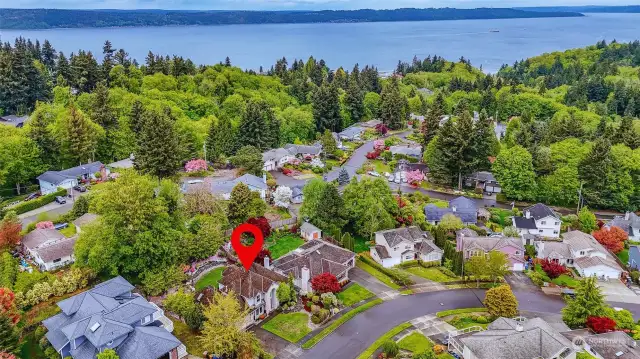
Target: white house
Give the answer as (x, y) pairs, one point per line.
(255, 184)
(395, 246)
(256, 288)
(278, 157)
(540, 220)
(308, 231)
(313, 258)
(630, 223)
(49, 248)
(582, 251)
(406, 150)
(352, 133)
(51, 180)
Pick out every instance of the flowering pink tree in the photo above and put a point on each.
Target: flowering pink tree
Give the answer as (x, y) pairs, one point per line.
(414, 178)
(378, 145)
(45, 225)
(196, 166)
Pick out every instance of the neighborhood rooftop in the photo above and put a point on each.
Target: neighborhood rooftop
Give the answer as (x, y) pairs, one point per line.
(56, 177)
(461, 207)
(318, 256)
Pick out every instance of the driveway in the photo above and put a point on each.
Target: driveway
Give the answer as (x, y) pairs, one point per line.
(616, 291)
(52, 209)
(372, 284)
(520, 281)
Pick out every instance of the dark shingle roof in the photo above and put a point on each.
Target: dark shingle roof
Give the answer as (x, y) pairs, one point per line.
(302, 149)
(526, 223)
(465, 210)
(613, 345)
(249, 283)
(39, 237)
(382, 251)
(147, 342)
(318, 256)
(539, 211)
(394, 236)
(56, 177)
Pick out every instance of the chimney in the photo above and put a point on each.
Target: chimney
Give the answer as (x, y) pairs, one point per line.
(519, 327)
(626, 216)
(453, 208)
(267, 262)
(304, 280)
(527, 214)
(264, 177)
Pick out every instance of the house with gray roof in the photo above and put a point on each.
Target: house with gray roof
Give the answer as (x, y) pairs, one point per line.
(518, 338)
(278, 157)
(111, 316)
(461, 207)
(50, 181)
(297, 195)
(352, 133)
(314, 258)
(470, 244)
(582, 251)
(84, 220)
(13, 120)
(407, 150)
(483, 181)
(48, 248)
(630, 223)
(308, 231)
(255, 184)
(612, 345)
(538, 219)
(394, 246)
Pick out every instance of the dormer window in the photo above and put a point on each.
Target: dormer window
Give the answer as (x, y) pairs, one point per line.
(581, 253)
(543, 222)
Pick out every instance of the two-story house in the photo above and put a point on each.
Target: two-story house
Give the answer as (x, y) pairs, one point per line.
(111, 316)
(314, 258)
(582, 251)
(276, 158)
(470, 244)
(630, 223)
(255, 289)
(539, 220)
(395, 246)
(461, 207)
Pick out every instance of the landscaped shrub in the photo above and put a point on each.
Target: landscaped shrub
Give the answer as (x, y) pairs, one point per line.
(447, 272)
(553, 269)
(325, 283)
(262, 223)
(601, 324)
(635, 276)
(320, 316)
(390, 348)
(198, 165)
(398, 277)
(329, 300)
(482, 319)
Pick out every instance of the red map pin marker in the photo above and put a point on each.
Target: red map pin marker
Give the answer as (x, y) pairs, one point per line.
(247, 254)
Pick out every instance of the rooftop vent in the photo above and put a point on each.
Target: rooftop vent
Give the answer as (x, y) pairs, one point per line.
(94, 327)
(618, 354)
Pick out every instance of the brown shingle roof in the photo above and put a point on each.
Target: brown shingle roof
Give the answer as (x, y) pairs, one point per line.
(38, 237)
(318, 256)
(249, 283)
(56, 250)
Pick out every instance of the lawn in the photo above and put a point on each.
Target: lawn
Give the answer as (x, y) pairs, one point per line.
(188, 337)
(416, 343)
(29, 348)
(283, 213)
(446, 313)
(381, 167)
(466, 322)
(210, 279)
(354, 294)
(377, 274)
(432, 274)
(70, 231)
(439, 203)
(378, 343)
(289, 326)
(285, 245)
(624, 256)
(361, 244)
(563, 280)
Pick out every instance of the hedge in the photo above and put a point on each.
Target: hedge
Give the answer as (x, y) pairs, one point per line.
(446, 313)
(397, 276)
(35, 203)
(338, 322)
(387, 336)
(415, 263)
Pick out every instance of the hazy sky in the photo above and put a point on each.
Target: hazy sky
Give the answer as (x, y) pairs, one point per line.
(290, 4)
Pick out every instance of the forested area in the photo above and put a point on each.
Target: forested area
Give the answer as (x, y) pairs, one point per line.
(571, 118)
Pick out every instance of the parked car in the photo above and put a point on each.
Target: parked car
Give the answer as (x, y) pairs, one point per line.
(390, 178)
(32, 196)
(373, 173)
(398, 179)
(61, 200)
(80, 188)
(60, 226)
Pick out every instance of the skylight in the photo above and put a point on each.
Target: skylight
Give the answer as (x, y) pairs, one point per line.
(95, 327)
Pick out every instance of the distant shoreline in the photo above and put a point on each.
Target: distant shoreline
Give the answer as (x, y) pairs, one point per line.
(43, 19)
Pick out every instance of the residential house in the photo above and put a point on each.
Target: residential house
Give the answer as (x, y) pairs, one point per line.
(630, 223)
(516, 338)
(538, 219)
(296, 195)
(303, 151)
(276, 158)
(255, 184)
(255, 288)
(314, 258)
(371, 123)
(308, 231)
(461, 207)
(407, 150)
(500, 129)
(13, 120)
(83, 220)
(417, 119)
(352, 133)
(425, 91)
(612, 345)
(483, 181)
(470, 244)
(48, 248)
(122, 164)
(51, 180)
(394, 246)
(443, 119)
(405, 166)
(582, 251)
(111, 316)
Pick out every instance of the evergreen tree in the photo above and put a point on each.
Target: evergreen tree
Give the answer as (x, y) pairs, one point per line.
(630, 111)
(626, 134)
(259, 127)
(63, 68)
(343, 177)
(326, 108)
(85, 72)
(347, 241)
(602, 127)
(107, 59)
(456, 146)
(158, 147)
(136, 120)
(225, 136)
(79, 138)
(8, 335)
(213, 149)
(21, 83)
(588, 302)
(49, 56)
(44, 139)
(354, 100)
(329, 146)
(102, 112)
(485, 142)
(227, 62)
(239, 204)
(392, 112)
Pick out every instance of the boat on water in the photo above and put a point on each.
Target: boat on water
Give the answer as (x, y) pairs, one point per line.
(494, 30)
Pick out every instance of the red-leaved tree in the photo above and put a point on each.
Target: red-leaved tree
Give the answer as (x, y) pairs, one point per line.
(553, 269)
(373, 154)
(325, 283)
(601, 324)
(264, 253)
(10, 229)
(7, 356)
(262, 223)
(612, 238)
(8, 305)
(382, 129)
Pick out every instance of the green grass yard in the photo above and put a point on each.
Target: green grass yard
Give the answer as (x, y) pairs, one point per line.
(289, 326)
(210, 279)
(360, 244)
(285, 245)
(29, 348)
(69, 231)
(381, 167)
(624, 256)
(466, 322)
(563, 280)
(354, 294)
(416, 343)
(377, 274)
(432, 274)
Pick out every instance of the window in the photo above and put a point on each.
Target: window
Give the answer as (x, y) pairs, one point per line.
(146, 319)
(57, 260)
(258, 297)
(395, 248)
(557, 223)
(517, 253)
(543, 222)
(555, 232)
(581, 253)
(540, 231)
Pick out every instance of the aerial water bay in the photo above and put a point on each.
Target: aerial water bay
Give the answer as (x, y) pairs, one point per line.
(489, 43)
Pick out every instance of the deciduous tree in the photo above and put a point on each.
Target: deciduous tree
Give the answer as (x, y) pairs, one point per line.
(612, 238)
(501, 302)
(108, 354)
(249, 159)
(325, 283)
(513, 169)
(10, 228)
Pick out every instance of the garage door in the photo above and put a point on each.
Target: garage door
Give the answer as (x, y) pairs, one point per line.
(518, 267)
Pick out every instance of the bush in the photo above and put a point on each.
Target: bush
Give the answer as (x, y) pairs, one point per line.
(482, 319)
(635, 276)
(315, 299)
(601, 324)
(262, 223)
(447, 272)
(390, 348)
(320, 316)
(397, 276)
(553, 269)
(501, 302)
(329, 300)
(325, 283)
(36, 203)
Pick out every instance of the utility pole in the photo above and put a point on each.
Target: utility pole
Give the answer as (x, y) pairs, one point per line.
(579, 197)
(204, 149)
